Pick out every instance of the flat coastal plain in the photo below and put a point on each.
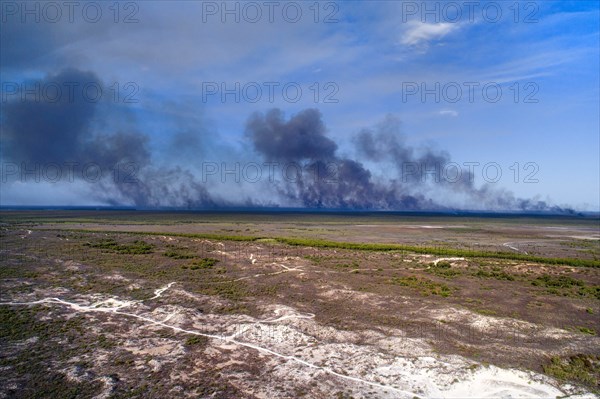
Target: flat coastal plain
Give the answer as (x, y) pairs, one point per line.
(132, 304)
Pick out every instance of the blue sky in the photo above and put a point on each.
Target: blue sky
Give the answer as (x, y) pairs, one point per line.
(370, 55)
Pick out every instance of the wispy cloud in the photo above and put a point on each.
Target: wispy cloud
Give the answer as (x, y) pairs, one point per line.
(420, 34)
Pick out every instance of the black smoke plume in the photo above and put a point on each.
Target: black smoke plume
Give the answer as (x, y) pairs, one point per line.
(73, 129)
(60, 123)
(326, 180)
(332, 181)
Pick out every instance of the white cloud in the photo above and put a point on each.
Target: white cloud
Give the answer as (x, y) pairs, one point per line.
(448, 112)
(421, 33)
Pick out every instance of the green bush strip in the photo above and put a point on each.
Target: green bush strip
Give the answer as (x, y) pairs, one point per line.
(319, 243)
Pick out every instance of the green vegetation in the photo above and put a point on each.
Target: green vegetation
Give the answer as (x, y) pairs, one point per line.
(15, 271)
(196, 340)
(566, 286)
(17, 324)
(495, 273)
(319, 243)
(105, 343)
(443, 269)
(486, 312)
(204, 263)
(31, 362)
(549, 281)
(425, 286)
(590, 291)
(136, 247)
(232, 290)
(317, 260)
(352, 265)
(578, 368)
(139, 294)
(236, 308)
(343, 395)
(436, 251)
(177, 255)
(585, 330)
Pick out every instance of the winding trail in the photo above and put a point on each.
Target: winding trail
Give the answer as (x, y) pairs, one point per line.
(159, 292)
(511, 246)
(117, 305)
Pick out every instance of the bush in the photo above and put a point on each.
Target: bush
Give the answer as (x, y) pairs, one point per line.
(204, 263)
(443, 269)
(497, 274)
(557, 281)
(425, 286)
(196, 340)
(177, 255)
(136, 247)
(580, 368)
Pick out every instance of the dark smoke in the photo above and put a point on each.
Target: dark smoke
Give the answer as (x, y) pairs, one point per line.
(70, 129)
(43, 130)
(301, 138)
(326, 180)
(345, 183)
(78, 131)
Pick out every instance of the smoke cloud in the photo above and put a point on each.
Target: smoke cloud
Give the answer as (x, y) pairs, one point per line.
(73, 129)
(331, 181)
(60, 123)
